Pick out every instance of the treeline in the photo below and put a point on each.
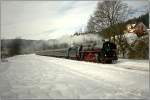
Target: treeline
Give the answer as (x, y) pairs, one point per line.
(12, 47)
(139, 49)
(119, 28)
(143, 18)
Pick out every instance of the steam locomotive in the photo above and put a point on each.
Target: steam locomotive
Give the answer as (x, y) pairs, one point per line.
(86, 52)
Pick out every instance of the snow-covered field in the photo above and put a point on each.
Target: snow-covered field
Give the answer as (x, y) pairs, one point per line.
(34, 76)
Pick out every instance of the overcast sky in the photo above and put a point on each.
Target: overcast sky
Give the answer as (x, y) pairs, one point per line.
(50, 19)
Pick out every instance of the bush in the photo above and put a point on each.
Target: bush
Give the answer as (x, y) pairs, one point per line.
(140, 50)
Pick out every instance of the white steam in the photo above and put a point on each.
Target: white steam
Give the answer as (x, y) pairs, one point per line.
(80, 39)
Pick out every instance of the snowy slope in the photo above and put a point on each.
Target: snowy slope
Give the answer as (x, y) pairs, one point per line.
(34, 76)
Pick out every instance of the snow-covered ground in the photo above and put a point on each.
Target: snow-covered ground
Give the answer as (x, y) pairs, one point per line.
(34, 76)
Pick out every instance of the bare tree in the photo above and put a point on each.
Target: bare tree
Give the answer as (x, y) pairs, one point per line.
(108, 20)
(107, 14)
(91, 24)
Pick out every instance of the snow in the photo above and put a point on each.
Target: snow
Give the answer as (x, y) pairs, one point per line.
(33, 76)
(131, 37)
